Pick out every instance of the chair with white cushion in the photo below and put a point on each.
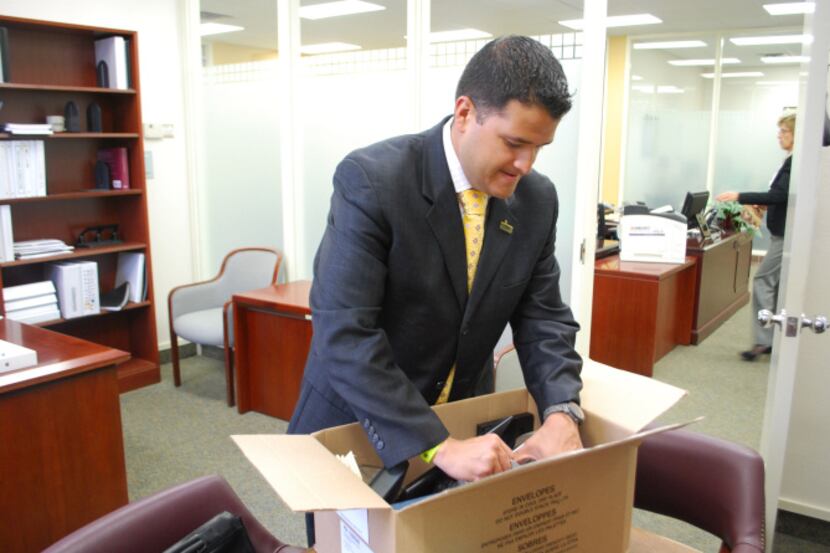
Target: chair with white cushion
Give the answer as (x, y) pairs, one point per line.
(201, 312)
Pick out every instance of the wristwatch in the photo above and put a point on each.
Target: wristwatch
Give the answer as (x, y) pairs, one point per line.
(571, 408)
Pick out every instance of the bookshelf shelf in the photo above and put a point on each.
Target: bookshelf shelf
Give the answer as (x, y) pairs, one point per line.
(68, 89)
(79, 195)
(79, 253)
(68, 135)
(49, 64)
(128, 307)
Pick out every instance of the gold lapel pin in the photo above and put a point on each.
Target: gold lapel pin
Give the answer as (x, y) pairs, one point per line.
(504, 226)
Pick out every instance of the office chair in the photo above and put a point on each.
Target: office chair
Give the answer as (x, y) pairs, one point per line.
(159, 521)
(202, 312)
(713, 484)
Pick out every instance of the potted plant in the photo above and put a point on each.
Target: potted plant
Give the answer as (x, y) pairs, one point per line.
(735, 217)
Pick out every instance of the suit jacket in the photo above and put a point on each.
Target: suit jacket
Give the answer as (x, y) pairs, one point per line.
(390, 308)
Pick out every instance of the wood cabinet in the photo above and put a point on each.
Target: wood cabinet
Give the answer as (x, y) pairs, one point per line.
(722, 282)
(50, 64)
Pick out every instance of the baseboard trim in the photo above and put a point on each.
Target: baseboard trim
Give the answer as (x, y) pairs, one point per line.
(802, 521)
(185, 350)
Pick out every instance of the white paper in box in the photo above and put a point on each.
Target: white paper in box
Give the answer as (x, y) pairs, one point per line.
(581, 499)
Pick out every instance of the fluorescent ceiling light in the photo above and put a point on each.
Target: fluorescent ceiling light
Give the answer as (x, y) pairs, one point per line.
(336, 9)
(790, 8)
(724, 61)
(772, 39)
(733, 75)
(458, 34)
(328, 48)
(669, 44)
(785, 59)
(206, 29)
(661, 89)
(636, 78)
(615, 21)
(777, 83)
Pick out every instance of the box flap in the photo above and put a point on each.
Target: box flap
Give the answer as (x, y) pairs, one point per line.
(305, 475)
(629, 400)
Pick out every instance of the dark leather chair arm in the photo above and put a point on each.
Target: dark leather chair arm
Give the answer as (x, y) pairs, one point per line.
(710, 483)
(157, 522)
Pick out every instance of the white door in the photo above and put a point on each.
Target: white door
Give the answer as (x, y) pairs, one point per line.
(795, 442)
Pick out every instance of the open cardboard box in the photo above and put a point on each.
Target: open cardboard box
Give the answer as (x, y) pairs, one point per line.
(580, 501)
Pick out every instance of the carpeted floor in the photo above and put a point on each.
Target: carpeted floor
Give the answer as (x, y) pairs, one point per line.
(174, 435)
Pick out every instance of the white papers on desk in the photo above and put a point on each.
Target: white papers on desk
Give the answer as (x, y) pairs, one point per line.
(131, 269)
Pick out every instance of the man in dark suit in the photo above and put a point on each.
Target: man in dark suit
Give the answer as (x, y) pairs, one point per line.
(406, 315)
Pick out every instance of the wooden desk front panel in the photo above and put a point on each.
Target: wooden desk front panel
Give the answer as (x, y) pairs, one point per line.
(637, 319)
(271, 349)
(722, 283)
(62, 458)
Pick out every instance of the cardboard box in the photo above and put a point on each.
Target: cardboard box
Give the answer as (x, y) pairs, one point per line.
(580, 501)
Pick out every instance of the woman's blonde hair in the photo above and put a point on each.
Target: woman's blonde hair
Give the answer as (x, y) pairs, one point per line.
(787, 121)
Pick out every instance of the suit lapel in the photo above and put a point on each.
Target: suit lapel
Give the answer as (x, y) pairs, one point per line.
(497, 237)
(444, 217)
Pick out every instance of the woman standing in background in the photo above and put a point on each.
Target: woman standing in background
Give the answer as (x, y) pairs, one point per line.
(767, 277)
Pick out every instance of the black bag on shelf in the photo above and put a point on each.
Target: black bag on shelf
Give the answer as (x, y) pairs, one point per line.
(224, 533)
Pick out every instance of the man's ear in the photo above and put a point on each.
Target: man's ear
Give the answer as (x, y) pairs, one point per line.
(465, 112)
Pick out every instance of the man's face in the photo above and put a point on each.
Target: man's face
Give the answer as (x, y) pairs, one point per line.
(500, 149)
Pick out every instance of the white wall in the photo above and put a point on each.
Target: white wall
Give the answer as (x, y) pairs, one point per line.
(162, 100)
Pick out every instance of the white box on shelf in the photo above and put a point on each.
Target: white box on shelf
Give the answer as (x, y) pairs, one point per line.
(77, 288)
(30, 290)
(13, 357)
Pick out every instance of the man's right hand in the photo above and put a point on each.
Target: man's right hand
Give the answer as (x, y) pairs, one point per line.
(473, 458)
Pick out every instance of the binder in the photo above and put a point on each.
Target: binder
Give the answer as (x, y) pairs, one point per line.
(28, 303)
(116, 160)
(113, 51)
(35, 315)
(6, 234)
(4, 55)
(131, 269)
(31, 290)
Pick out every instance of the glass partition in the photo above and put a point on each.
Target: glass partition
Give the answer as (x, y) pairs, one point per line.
(449, 56)
(752, 99)
(669, 115)
(240, 194)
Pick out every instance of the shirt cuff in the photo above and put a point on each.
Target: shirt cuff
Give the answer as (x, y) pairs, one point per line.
(429, 454)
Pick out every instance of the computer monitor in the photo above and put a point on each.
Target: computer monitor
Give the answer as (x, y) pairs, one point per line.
(694, 203)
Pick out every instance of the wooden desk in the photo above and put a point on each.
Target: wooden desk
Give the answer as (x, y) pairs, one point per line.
(646, 542)
(61, 447)
(640, 312)
(272, 336)
(722, 281)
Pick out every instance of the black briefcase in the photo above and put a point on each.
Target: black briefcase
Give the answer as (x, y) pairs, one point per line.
(224, 533)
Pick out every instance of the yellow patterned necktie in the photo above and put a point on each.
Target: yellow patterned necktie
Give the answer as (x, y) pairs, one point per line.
(474, 206)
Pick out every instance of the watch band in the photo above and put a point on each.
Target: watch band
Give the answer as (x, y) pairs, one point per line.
(570, 408)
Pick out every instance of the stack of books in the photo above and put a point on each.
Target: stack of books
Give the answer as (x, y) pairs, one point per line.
(22, 169)
(31, 303)
(28, 128)
(30, 249)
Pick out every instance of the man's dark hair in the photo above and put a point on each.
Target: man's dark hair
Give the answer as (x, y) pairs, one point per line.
(515, 68)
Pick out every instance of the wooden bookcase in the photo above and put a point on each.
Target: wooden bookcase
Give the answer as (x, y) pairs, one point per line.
(51, 64)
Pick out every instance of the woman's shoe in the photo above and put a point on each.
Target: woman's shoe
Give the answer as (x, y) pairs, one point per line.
(757, 349)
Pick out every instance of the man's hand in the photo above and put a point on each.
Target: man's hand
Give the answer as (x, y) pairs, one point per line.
(727, 197)
(558, 434)
(473, 458)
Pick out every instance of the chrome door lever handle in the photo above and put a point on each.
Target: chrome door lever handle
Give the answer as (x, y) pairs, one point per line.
(818, 324)
(767, 318)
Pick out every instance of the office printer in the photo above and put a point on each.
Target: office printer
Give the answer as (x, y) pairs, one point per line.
(654, 237)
